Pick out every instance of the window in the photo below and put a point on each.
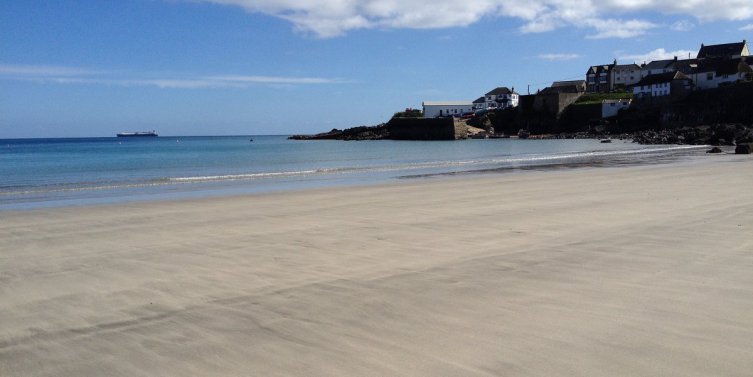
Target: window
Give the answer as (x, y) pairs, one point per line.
(709, 76)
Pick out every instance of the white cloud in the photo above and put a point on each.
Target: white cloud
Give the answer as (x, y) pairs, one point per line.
(658, 54)
(559, 57)
(330, 18)
(747, 27)
(73, 75)
(613, 28)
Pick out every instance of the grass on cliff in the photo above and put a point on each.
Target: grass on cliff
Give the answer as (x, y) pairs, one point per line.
(592, 98)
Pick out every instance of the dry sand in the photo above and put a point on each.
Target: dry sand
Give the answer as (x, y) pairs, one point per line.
(633, 271)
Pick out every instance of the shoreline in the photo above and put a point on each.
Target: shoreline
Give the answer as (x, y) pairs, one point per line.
(638, 270)
(217, 185)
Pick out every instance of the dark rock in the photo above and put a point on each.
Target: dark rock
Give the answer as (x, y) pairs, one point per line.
(714, 150)
(378, 132)
(742, 149)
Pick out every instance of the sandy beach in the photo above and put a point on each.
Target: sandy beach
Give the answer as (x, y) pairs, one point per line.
(627, 271)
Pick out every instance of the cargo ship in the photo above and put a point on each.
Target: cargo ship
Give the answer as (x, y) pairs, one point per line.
(138, 134)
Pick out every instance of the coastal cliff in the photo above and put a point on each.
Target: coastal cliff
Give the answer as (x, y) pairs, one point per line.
(722, 116)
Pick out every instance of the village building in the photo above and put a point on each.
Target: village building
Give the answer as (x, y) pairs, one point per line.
(611, 107)
(501, 98)
(658, 66)
(686, 66)
(479, 104)
(667, 86)
(572, 86)
(599, 78)
(726, 50)
(624, 75)
(553, 100)
(716, 72)
(434, 109)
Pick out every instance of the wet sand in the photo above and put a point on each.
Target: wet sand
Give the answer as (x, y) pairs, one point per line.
(628, 271)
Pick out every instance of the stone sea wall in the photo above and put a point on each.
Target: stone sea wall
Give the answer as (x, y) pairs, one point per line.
(425, 129)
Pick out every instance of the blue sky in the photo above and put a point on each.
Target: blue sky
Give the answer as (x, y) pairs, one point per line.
(228, 67)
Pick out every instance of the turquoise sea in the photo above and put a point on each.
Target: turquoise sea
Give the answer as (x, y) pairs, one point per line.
(62, 172)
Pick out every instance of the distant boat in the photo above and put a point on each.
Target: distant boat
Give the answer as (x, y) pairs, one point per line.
(606, 140)
(138, 134)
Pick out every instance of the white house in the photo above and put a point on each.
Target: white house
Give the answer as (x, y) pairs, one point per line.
(433, 109)
(610, 108)
(667, 85)
(713, 73)
(502, 98)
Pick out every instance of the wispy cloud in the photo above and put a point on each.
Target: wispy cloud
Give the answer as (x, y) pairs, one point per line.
(332, 18)
(46, 70)
(747, 27)
(74, 75)
(682, 25)
(558, 57)
(658, 54)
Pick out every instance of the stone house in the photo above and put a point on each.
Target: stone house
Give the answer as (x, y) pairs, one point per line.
(599, 78)
(572, 86)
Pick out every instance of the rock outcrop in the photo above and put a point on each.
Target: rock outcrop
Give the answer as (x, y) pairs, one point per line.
(742, 149)
(378, 132)
(397, 129)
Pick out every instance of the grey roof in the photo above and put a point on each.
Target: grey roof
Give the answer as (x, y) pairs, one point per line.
(721, 50)
(557, 84)
(659, 64)
(662, 78)
(600, 68)
(626, 67)
(686, 66)
(500, 90)
(480, 100)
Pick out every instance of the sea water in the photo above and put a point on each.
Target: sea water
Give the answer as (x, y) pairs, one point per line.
(60, 172)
